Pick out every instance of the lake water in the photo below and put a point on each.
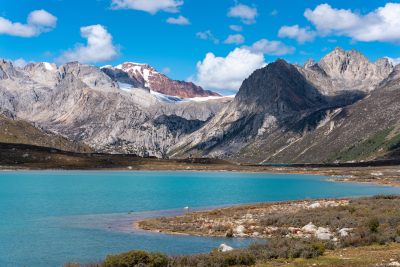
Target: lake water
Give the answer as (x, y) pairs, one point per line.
(52, 217)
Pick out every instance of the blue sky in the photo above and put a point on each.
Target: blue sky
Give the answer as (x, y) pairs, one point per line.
(137, 30)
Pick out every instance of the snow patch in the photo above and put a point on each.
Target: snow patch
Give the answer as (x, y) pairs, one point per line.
(48, 66)
(165, 98)
(125, 86)
(207, 98)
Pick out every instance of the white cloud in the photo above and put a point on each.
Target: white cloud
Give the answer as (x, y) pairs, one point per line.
(382, 24)
(150, 6)
(246, 13)
(302, 35)
(276, 48)
(20, 62)
(181, 20)
(234, 39)
(227, 73)
(38, 21)
(99, 47)
(207, 35)
(236, 28)
(42, 18)
(394, 61)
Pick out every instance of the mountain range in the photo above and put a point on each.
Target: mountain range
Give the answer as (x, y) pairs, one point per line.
(339, 109)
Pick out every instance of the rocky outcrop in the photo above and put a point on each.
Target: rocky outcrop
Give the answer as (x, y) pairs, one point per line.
(144, 76)
(342, 70)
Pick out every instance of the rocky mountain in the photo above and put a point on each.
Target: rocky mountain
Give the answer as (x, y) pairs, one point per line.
(341, 108)
(84, 104)
(131, 74)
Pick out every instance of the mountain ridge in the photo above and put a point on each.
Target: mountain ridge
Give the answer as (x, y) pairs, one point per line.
(320, 112)
(255, 130)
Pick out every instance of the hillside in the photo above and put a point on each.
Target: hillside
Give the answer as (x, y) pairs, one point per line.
(21, 132)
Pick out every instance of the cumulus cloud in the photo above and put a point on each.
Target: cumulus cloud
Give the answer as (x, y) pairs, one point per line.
(247, 14)
(150, 6)
(20, 62)
(227, 73)
(99, 47)
(382, 24)
(276, 48)
(38, 21)
(181, 20)
(234, 39)
(236, 28)
(394, 61)
(207, 35)
(302, 35)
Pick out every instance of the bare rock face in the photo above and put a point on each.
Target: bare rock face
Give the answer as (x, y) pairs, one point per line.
(84, 104)
(343, 70)
(7, 70)
(317, 113)
(269, 95)
(144, 76)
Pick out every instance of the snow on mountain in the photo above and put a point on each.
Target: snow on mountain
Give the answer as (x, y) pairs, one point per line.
(145, 76)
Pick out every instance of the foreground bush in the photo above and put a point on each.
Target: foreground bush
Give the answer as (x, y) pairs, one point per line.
(274, 249)
(288, 248)
(136, 258)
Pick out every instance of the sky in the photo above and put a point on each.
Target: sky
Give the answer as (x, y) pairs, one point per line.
(214, 43)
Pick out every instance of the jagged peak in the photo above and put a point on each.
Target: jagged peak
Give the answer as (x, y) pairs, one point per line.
(342, 54)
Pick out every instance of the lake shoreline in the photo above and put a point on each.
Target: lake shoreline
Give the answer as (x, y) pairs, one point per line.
(199, 217)
(14, 157)
(385, 175)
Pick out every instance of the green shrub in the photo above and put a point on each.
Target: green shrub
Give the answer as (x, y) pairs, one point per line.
(319, 247)
(287, 248)
(136, 258)
(373, 225)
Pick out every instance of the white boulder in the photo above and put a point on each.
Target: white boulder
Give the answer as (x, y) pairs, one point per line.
(239, 231)
(345, 232)
(224, 248)
(323, 233)
(309, 228)
(314, 205)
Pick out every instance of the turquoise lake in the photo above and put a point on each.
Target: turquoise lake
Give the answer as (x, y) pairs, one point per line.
(48, 218)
